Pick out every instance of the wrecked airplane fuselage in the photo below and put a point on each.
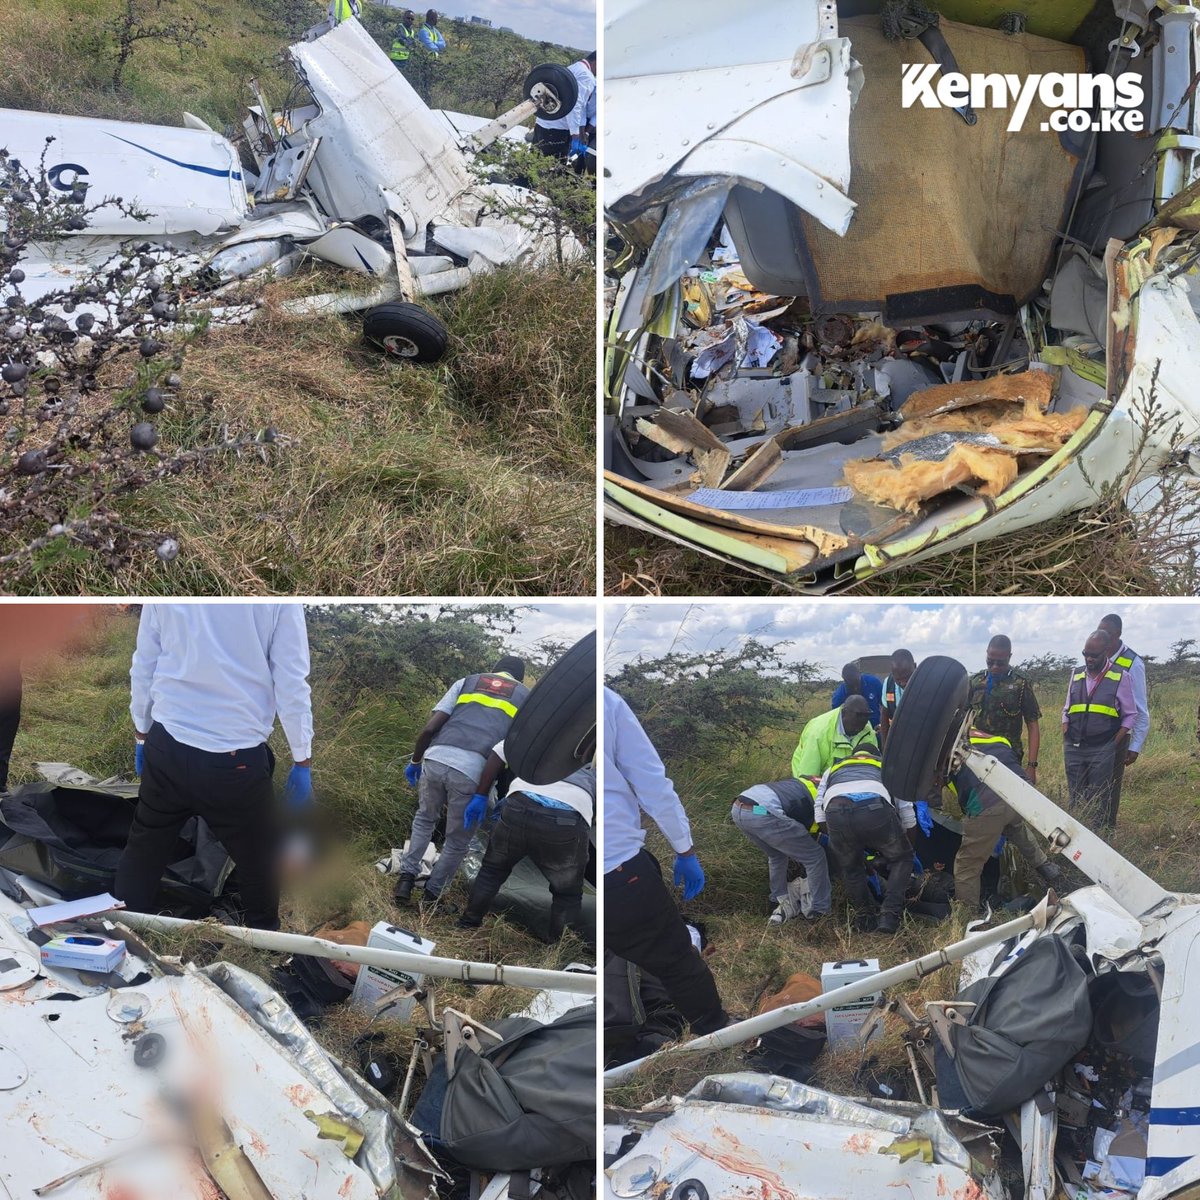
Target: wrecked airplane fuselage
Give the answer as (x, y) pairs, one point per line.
(806, 259)
(359, 173)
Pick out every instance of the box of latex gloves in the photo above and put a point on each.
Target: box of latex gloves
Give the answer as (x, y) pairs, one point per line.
(83, 952)
(373, 983)
(843, 1022)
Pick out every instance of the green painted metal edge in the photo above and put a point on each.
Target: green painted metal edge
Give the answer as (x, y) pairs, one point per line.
(693, 530)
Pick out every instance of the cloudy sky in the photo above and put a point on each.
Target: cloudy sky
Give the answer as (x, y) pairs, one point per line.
(563, 621)
(564, 22)
(830, 632)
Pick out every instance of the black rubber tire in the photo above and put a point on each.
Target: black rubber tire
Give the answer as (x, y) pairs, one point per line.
(923, 730)
(406, 332)
(560, 81)
(554, 732)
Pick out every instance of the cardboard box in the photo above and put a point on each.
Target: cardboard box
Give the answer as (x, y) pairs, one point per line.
(83, 952)
(374, 982)
(843, 1022)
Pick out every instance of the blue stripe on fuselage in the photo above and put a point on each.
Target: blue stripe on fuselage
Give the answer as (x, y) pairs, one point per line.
(226, 174)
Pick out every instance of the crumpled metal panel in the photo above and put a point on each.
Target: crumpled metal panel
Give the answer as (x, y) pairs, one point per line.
(274, 1016)
(376, 133)
(772, 1139)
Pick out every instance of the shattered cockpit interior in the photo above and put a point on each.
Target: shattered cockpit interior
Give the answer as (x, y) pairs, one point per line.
(867, 367)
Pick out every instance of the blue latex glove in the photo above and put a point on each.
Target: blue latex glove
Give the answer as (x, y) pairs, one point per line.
(690, 874)
(297, 793)
(999, 847)
(918, 866)
(924, 817)
(578, 146)
(476, 811)
(823, 840)
(412, 773)
(875, 884)
(139, 757)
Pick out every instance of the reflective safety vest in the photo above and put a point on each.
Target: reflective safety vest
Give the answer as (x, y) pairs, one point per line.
(1096, 718)
(1125, 658)
(436, 41)
(482, 713)
(343, 10)
(859, 765)
(797, 798)
(402, 45)
(972, 795)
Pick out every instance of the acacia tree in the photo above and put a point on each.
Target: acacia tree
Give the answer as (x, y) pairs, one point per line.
(713, 703)
(134, 25)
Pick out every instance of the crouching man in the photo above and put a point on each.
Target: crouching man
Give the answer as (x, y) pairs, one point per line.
(987, 818)
(860, 815)
(778, 818)
(550, 824)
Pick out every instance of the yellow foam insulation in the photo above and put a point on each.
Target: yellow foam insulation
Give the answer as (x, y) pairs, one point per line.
(1029, 387)
(1031, 430)
(905, 486)
(990, 469)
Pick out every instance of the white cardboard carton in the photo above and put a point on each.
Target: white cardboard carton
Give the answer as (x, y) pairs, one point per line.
(843, 1022)
(374, 982)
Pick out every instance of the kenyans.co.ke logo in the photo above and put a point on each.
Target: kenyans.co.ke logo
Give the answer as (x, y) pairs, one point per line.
(1116, 101)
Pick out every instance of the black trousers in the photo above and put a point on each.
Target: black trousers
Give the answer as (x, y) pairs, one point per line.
(643, 925)
(232, 792)
(554, 143)
(875, 825)
(1090, 769)
(557, 842)
(10, 719)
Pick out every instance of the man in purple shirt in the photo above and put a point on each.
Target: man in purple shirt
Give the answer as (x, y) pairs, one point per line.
(1096, 719)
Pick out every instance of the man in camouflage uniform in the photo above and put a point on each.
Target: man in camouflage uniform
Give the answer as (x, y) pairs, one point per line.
(1003, 700)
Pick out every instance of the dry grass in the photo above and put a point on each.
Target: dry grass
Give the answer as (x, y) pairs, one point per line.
(42, 39)
(470, 477)
(1105, 551)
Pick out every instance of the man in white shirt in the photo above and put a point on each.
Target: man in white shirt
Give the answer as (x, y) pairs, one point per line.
(641, 921)
(549, 823)
(447, 760)
(554, 136)
(207, 682)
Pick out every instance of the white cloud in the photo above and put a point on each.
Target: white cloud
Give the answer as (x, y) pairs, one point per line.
(830, 632)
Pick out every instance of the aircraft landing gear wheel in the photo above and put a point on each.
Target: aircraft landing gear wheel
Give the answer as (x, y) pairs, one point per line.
(406, 331)
(552, 88)
(554, 731)
(922, 734)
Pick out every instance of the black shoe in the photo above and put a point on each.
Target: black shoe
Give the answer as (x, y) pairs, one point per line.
(1050, 872)
(865, 922)
(404, 888)
(888, 923)
(467, 921)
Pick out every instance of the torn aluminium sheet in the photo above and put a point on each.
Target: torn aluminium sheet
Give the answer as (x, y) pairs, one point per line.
(151, 1080)
(746, 1134)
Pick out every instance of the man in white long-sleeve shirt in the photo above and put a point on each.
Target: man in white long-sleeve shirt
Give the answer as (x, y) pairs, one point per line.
(641, 921)
(554, 136)
(207, 682)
